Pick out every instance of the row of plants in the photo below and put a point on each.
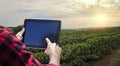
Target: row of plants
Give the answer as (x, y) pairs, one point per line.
(82, 46)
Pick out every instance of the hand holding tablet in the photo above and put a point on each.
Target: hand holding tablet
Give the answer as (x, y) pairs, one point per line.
(37, 30)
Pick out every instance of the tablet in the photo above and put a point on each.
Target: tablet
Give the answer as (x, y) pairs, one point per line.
(36, 30)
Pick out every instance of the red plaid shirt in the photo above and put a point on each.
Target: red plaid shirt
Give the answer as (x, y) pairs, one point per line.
(13, 53)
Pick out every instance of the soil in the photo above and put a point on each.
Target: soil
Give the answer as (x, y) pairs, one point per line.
(112, 59)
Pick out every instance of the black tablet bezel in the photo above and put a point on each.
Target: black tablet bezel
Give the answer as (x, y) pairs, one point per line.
(36, 20)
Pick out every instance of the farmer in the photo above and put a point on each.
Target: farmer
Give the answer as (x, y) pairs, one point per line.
(13, 53)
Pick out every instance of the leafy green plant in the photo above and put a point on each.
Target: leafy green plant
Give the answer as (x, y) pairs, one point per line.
(79, 47)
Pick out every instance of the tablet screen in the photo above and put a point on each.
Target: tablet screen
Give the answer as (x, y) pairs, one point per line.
(37, 30)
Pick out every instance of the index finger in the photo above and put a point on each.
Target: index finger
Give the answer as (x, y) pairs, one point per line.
(48, 42)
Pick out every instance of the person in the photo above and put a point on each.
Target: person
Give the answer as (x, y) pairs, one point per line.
(13, 53)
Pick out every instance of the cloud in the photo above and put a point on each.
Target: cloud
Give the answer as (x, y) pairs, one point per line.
(13, 12)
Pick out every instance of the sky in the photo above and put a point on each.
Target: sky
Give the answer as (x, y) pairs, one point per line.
(72, 13)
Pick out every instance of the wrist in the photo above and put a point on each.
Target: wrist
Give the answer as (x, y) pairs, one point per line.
(55, 60)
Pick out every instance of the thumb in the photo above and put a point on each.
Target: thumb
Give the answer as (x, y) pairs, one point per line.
(23, 30)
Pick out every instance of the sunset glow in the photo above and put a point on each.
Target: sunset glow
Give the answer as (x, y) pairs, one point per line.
(101, 19)
(72, 13)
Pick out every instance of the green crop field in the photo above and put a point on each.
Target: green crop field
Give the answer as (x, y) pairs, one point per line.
(80, 47)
